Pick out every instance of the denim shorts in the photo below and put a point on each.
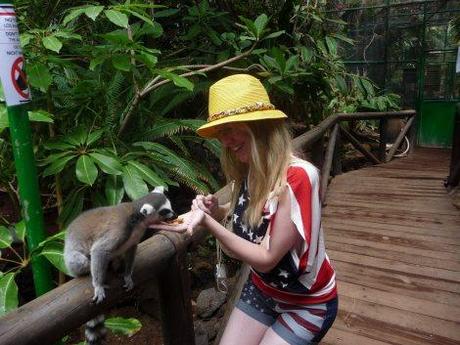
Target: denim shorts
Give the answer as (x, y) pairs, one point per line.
(296, 324)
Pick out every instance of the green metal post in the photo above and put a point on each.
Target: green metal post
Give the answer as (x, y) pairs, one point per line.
(421, 65)
(17, 96)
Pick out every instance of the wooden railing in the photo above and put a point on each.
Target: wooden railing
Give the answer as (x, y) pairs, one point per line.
(159, 259)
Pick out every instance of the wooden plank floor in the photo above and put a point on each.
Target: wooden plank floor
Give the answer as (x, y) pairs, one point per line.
(393, 237)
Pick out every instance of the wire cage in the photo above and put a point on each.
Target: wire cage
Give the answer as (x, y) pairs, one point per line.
(405, 47)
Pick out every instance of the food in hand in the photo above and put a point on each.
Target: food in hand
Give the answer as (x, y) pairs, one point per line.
(176, 221)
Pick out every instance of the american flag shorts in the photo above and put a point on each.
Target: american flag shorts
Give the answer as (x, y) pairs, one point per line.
(296, 324)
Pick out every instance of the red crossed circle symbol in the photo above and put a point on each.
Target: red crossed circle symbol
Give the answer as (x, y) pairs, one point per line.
(19, 78)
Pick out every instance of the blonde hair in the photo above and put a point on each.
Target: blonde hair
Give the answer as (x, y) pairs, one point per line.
(271, 153)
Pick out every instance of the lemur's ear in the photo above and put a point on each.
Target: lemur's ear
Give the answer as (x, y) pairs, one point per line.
(159, 189)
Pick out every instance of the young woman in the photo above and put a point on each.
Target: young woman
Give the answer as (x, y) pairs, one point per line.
(290, 296)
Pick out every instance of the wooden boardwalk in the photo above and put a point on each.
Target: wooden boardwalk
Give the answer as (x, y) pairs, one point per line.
(393, 236)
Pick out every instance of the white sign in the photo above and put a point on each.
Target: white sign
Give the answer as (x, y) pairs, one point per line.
(12, 76)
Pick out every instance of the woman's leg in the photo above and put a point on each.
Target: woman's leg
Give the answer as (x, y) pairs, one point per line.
(271, 338)
(242, 329)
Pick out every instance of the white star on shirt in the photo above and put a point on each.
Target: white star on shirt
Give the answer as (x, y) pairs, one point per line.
(258, 239)
(250, 234)
(241, 200)
(235, 217)
(283, 285)
(244, 228)
(283, 273)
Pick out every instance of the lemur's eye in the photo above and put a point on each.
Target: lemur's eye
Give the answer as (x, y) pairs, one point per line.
(146, 209)
(164, 212)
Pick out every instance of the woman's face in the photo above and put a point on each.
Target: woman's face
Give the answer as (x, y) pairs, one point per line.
(236, 137)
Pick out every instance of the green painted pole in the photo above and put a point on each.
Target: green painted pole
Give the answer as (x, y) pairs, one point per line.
(17, 96)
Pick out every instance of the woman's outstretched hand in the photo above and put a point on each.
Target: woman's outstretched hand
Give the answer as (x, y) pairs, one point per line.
(190, 221)
(207, 203)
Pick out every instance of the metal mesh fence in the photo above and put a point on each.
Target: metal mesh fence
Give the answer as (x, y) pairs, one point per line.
(405, 47)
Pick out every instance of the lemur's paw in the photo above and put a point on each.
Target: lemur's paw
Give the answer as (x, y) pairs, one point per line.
(99, 294)
(129, 284)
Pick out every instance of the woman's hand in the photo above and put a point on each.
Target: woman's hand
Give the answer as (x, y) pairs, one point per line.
(208, 204)
(190, 221)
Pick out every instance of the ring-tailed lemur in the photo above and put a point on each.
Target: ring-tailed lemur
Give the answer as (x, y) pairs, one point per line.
(101, 235)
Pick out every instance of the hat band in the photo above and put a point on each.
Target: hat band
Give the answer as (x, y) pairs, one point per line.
(242, 110)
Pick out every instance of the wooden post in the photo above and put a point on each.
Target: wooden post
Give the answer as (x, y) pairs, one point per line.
(175, 302)
(317, 152)
(337, 159)
(383, 138)
(399, 139)
(358, 146)
(325, 171)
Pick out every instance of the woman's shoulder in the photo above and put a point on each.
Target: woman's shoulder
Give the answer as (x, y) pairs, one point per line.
(301, 171)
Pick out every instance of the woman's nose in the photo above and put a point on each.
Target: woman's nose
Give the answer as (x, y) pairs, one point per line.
(225, 140)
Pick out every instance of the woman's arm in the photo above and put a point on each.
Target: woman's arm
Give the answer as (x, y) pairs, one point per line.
(283, 236)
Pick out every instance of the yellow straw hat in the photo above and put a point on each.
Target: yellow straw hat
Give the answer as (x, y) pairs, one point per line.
(237, 98)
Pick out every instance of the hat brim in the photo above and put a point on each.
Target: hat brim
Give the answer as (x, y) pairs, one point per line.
(208, 130)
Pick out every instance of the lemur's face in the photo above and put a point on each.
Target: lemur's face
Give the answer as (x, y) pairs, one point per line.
(156, 207)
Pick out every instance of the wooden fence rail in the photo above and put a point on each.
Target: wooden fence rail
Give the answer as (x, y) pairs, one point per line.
(49, 317)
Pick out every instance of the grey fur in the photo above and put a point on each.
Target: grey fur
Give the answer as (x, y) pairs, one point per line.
(100, 235)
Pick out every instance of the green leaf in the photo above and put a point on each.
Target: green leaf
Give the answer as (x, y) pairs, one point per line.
(108, 164)
(122, 325)
(58, 145)
(86, 170)
(341, 84)
(147, 174)
(3, 118)
(40, 116)
(97, 61)
(122, 62)
(306, 54)
(114, 190)
(20, 229)
(260, 24)
(292, 63)
(166, 13)
(57, 166)
(78, 136)
(274, 34)
(140, 16)
(94, 136)
(73, 206)
(148, 59)
(118, 18)
(8, 293)
(331, 45)
(39, 76)
(53, 158)
(368, 87)
(343, 38)
(177, 79)
(5, 237)
(72, 15)
(249, 25)
(52, 43)
(93, 11)
(54, 252)
(133, 183)
(60, 236)
(25, 39)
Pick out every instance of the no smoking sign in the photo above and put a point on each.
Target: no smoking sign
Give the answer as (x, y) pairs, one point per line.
(13, 78)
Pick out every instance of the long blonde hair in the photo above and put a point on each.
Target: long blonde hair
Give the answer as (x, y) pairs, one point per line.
(271, 153)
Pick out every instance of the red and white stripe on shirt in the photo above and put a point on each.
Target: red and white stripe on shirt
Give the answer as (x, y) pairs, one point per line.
(316, 275)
